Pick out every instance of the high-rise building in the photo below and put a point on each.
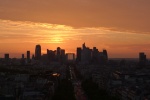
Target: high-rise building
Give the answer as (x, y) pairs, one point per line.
(86, 54)
(79, 51)
(38, 52)
(6, 56)
(70, 56)
(62, 52)
(63, 56)
(105, 54)
(50, 55)
(7, 59)
(58, 53)
(28, 56)
(142, 56)
(142, 59)
(95, 55)
(22, 56)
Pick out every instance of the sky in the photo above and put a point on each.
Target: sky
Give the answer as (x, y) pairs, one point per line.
(119, 26)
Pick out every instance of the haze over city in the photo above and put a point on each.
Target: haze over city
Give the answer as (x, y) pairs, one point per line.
(120, 26)
(74, 49)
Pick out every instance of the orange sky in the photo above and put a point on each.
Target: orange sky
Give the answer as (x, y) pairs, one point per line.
(120, 26)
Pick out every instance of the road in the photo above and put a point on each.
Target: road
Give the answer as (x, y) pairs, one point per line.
(79, 93)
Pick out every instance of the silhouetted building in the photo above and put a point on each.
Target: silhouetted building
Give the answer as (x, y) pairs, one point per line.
(28, 56)
(6, 57)
(33, 56)
(63, 55)
(62, 52)
(86, 54)
(70, 56)
(79, 51)
(22, 60)
(38, 52)
(105, 55)
(95, 55)
(142, 59)
(50, 55)
(58, 53)
(142, 56)
(22, 56)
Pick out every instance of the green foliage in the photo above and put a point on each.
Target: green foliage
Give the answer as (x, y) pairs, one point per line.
(65, 91)
(94, 93)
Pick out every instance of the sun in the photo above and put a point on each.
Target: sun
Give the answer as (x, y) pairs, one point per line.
(57, 39)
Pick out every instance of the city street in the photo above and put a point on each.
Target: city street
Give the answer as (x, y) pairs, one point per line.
(79, 93)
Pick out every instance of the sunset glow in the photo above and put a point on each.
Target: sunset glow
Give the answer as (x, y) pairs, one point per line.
(68, 24)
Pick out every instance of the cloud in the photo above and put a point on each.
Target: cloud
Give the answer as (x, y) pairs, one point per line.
(24, 35)
(123, 15)
(31, 32)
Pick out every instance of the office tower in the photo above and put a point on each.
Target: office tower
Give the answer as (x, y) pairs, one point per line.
(51, 55)
(63, 55)
(83, 46)
(62, 52)
(142, 56)
(22, 60)
(38, 52)
(70, 56)
(22, 56)
(79, 51)
(33, 57)
(7, 59)
(58, 53)
(105, 54)
(142, 59)
(6, 56)
(86, 54)
(95, 55)
(28, 56)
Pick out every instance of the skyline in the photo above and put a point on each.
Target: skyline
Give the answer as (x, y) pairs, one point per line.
(38, 52)
(121, 27)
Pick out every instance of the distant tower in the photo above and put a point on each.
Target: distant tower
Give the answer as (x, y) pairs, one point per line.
(38, 52)
(105, 54)
(28, 56)
(142, 59)
(83, 46)
(79, 50)
(58, 50)
(6, 56)
(22, 56)
(63, 55)
(58, 53)
(7, 59)
(142, 56)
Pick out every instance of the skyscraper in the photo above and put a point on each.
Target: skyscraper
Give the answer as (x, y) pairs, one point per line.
(79, 50)
(38, 52)
(6, 56)
(7, 59)
(58, 53)
(86, 54)
(105, 54)
(22, 56)
(142, 59)
(58, 50)
(50, 55)
(28, 56)
(95, 55)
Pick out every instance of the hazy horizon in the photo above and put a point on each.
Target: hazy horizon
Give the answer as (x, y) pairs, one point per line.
(120, 27)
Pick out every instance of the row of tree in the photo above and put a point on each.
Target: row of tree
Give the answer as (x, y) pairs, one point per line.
(94, 93)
